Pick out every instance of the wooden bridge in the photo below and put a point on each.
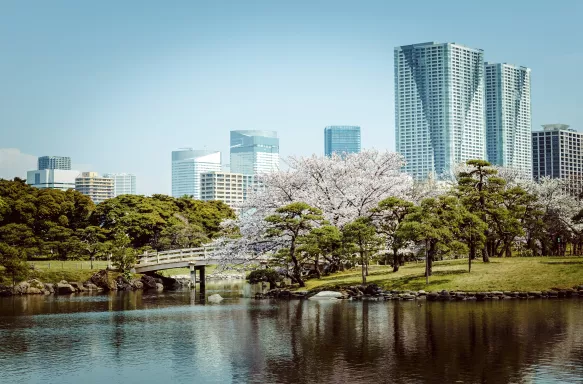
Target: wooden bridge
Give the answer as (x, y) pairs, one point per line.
(193, 258)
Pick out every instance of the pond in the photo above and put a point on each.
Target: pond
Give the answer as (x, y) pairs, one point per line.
(174, 337)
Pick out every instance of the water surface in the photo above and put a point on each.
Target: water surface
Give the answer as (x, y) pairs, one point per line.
(171, 337)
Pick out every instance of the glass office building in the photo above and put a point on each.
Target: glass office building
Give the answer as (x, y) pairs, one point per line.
(124, 183)
(187, 166)
(341, 139)
(254, 152)
(439, 107)
(54, 162)
(508, 122)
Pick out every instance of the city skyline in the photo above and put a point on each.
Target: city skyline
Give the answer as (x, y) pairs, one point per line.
(160, 85)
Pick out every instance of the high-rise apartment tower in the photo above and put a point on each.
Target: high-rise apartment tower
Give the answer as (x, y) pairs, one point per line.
(439, 107)
(96, 187)
(508, 122)
(557, 152)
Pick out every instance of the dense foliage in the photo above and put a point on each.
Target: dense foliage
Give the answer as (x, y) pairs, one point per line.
(53, 224)
(364, 209)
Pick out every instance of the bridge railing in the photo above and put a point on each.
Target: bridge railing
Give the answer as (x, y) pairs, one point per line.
(185, 254)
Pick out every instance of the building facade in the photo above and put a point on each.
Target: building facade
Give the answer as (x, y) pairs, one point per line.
(96, 187)
(341, 139)
(230, 188)
(557, 152)
(123, 183)
(508, 117)
(52, 178)
(54, 162)
(187, 166)
(439, 107)
(254, 152)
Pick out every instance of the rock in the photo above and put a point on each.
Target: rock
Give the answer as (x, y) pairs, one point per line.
(159, 287)
(497, 293)
(562, 293)
(91, 287)
(421, 292)
(569, 292)
(49, 287)
(123, 284)
(407, 296)
(579, 288)
(101, 279)
(535, 294)
(327, 295)
(36, 283)
(553, 294)
(137, 284)
(216, 298)
(168, 282)
(21, 288)
(372, 289)
(432, 296)
(78, 286)
(149, 282)
(64, 289)
(33, 291)
(481, 296)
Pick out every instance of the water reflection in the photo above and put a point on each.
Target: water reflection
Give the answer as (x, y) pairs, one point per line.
(133, 337)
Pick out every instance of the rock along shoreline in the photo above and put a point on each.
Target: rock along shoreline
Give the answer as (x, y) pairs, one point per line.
(101, 281)
(373, 292)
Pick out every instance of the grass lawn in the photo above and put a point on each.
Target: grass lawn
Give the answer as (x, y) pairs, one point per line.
(505, 274)
(54, 271)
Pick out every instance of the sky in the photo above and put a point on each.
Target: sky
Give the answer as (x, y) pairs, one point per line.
(118, 85)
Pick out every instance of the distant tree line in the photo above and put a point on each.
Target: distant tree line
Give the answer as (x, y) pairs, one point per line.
(38, 224)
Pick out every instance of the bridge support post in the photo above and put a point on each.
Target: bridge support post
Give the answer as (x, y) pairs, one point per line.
(202, 279)
(193, 275)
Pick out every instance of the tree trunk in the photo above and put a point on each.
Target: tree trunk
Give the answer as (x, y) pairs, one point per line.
(508, 250)
(430, 256)
(485, 255)
(297, 272)
(395, 261)
(317, 267)
(362, 267)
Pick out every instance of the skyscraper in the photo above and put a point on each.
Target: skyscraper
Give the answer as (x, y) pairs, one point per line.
(187, 166)
(54, 162)
(557, 152)
(508, 126)
(341, 139)
(123, 183)
(254, 152)
(439, 107)
(96, 187)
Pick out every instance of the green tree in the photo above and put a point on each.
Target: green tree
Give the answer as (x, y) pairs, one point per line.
(362, 233)
(123, 256)
(478, 187)
(264, 275)
(436, 224)
(288, 224)
(322, 242)
(388, 217)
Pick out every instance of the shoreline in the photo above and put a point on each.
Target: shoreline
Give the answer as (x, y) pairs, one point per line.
(373, 292)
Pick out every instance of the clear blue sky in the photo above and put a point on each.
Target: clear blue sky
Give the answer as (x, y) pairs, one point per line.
(117, 85)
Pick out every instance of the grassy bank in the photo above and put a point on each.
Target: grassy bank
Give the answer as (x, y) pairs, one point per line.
(54, 271)
(512, 274)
